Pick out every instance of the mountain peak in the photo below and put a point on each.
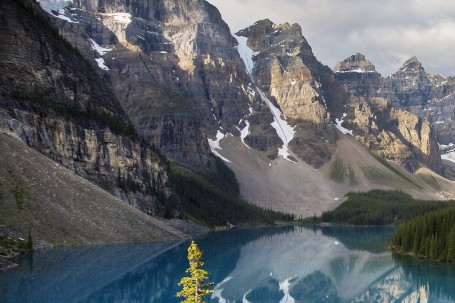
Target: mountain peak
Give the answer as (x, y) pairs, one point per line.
(355, 63)
(412, 64)
(265, 34)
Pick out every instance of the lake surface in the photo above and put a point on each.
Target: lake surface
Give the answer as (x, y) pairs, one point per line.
(267, 265)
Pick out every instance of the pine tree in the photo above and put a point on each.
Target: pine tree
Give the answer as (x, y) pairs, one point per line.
(194, 286)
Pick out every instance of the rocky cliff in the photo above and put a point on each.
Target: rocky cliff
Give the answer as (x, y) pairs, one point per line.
(305, 91)
(172, 64)
(53, 100)
(392, 125)
(256, 99)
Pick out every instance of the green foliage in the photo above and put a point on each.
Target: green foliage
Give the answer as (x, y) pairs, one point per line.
(430, 180)
(195, 287)
(430, 236)
(379, 207)
(337, 171)
(395, 171)
(213, 198)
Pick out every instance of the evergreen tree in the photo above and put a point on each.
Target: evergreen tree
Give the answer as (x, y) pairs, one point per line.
(194, 286)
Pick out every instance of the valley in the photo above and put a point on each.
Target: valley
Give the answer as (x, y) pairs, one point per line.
(138, 97)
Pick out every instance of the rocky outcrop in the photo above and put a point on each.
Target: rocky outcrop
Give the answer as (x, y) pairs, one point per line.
(172, 64)
(53, 100)
(304, 89)
(387, 111)
(359, 76)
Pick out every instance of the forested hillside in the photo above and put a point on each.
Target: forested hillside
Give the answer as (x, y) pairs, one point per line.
(430, 236)
(379, 207)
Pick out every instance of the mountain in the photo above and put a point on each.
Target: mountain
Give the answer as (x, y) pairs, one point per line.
(57, 207)
(172, 64)
(138, 77)
(411, 88)
(52, 99)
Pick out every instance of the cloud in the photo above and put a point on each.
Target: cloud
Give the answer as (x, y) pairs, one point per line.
(387, 32)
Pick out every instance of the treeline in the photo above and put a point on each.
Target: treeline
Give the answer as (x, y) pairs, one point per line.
(378, 207)
(430, 236)
(213, 198)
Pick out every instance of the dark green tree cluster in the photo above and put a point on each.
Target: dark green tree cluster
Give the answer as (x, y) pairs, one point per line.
(213, 198)
(379, 207)
(430, 236)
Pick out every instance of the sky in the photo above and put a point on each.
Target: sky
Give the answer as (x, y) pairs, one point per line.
(387, 32)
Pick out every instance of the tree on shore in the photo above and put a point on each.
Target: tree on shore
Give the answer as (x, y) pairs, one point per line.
(195, 286)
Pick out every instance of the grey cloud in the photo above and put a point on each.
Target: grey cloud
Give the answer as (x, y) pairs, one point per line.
(387, 32)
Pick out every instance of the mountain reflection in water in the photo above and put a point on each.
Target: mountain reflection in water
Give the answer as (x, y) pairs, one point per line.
(283, 264)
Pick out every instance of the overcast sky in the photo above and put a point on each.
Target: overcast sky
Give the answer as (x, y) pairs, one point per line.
(387, 32)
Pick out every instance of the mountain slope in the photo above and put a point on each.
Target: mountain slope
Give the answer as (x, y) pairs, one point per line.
(301, 189)
(53, 100)
(62, 208)
(172, 64)
(264, 103)
(411, 88)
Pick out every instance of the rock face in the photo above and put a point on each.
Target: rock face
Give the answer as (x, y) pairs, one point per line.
(286, 70)
(392, 120)
(172, 64)
(358, 75)
(53, 100)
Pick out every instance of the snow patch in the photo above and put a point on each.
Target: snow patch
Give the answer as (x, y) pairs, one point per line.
(124, 18)
(55, 8)
(245, 132)
(215, 144)
(101, 50)
(101, 64)
(357, 70)
(450, 156)
(340, 127)
(245, 53)
(283, 129)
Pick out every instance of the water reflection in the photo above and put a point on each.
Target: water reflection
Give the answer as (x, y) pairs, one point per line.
(268, 265)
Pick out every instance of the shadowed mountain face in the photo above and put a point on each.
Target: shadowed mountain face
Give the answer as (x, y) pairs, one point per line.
(172, 64)
(52, 99)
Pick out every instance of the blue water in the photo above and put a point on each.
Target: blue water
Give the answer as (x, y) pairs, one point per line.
(285, 264)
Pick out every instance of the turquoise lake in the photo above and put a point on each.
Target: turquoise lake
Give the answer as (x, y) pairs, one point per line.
(267, 265)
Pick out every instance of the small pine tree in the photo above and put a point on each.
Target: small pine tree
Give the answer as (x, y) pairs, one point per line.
(194, 286)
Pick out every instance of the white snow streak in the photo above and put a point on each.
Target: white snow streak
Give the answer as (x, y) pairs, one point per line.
(245, 132)
(357, 70)
(215, 144)
(245, 53)
(340, 127)
(101, 63)
(101, 50)
(283, 129)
